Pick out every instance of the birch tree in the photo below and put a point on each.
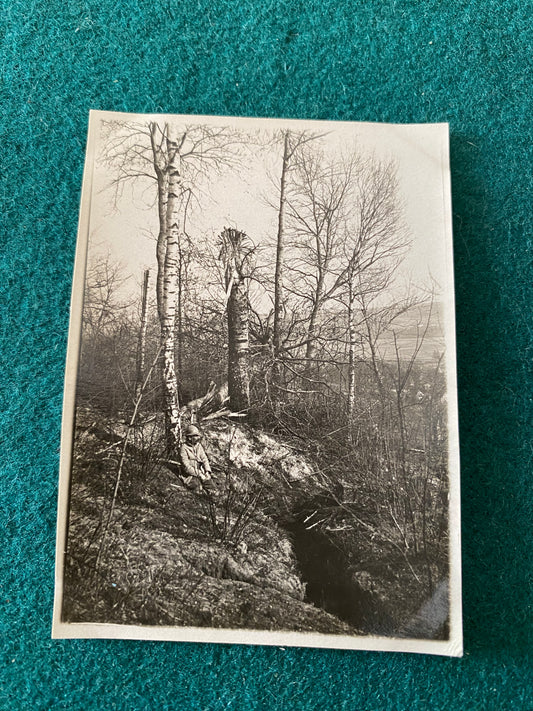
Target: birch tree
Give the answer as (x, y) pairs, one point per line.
(178, 158)
(374, 242)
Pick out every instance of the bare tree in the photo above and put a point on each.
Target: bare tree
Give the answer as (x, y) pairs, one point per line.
(141, 347)
(178, 158)
(107, 330)
(318, 208)
(375, 240)
(173, 230)
(101, 304)
(278, 276)
(292, 145)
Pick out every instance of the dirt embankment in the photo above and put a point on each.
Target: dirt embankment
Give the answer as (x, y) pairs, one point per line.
(278, 547)
(170, 556)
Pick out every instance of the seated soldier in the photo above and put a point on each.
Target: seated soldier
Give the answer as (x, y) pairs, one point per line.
(195, 468)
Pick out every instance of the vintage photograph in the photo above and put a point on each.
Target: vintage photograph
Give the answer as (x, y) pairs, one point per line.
(260, 439)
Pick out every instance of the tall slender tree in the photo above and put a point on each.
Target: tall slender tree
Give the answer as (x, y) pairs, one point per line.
(179, 157)
(293, 143)
(280, 245)
(141, 345)
(374, 241)
(171, 284)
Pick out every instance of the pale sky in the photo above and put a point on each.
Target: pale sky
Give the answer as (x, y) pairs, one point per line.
(237, 199)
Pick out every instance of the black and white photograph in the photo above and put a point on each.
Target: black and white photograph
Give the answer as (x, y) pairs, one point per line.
(260, 438)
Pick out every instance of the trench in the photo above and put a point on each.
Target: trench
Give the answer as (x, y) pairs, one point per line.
(330, 582)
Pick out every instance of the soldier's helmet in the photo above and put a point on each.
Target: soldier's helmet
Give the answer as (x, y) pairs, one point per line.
(192, 431)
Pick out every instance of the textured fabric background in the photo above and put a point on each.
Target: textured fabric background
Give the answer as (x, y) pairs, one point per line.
(463, 61)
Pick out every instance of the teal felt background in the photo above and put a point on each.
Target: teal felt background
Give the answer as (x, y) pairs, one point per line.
(466, 62)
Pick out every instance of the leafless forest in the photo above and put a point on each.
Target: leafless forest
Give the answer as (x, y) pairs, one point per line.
(314, 369)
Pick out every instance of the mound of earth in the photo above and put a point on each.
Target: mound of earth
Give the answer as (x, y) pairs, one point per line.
(278, 546)
(170, 556)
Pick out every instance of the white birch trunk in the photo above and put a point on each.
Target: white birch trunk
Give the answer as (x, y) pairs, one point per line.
(170, 286)
(160, 161)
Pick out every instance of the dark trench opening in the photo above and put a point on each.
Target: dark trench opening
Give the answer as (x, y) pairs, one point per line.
(330, 582)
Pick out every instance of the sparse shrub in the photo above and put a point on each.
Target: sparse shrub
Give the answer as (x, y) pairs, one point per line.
(234, 507)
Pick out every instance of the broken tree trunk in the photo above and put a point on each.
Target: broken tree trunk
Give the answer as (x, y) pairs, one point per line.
(212, 402)
(234, 255)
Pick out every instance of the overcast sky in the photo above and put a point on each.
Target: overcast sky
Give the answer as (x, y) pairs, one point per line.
(237, 199)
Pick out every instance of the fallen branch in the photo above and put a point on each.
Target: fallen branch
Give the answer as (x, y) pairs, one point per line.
(216, 396)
